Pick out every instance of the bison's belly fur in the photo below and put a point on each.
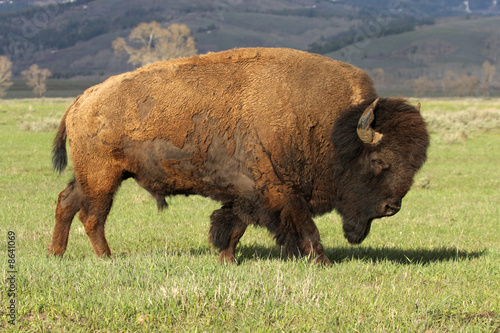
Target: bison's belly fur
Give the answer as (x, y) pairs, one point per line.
(249, 128)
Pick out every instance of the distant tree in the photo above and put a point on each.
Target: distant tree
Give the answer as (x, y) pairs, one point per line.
(149, 42)
(449, 82)
(379, 75)
(463, 84)
(5, 74)
(36, 78)
(471, 83)
(460, 85)
(489, 71)
(423, 86)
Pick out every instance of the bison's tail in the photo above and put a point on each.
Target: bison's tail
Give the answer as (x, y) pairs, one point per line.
(59, 155)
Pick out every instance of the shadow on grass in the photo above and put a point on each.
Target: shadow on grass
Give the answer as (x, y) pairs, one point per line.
(419, 256)
(342, 254)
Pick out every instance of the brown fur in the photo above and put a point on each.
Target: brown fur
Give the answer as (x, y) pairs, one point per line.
(248, 127)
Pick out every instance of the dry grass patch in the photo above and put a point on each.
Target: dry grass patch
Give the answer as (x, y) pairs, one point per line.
(458, 120)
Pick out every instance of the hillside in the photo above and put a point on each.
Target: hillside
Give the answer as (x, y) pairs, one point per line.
(75, 38)
(458, 45)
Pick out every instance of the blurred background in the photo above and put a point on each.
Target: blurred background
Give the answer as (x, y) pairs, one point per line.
(421, 48)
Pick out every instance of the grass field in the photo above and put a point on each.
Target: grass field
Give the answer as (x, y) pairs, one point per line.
(433, 267)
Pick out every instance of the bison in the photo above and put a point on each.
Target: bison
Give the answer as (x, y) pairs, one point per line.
(278, 136)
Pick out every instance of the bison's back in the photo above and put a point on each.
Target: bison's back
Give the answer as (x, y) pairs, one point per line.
(267, 87)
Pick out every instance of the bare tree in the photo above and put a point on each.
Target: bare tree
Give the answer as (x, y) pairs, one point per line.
(379, 75)
(460, 84)
(36, 78)
(5, 74)
(489, 71)
(471, 83)
(423, 86)
(449, 81)
(149, 42)
(465, 85)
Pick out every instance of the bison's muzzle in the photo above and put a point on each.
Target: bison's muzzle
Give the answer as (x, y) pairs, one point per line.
(392, 207)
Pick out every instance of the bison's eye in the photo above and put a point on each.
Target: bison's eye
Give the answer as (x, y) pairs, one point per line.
(378, 165)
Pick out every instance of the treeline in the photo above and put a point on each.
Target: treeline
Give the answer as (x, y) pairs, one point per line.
(72, 32)
(57, 35)
(443, 6)
(12, 6)
(308, 12)
(458, 84)
(393, 27)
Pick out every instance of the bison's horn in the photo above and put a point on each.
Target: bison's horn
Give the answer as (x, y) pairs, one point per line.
(365, 132)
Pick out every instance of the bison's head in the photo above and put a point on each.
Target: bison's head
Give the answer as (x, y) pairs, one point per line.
(379, 146)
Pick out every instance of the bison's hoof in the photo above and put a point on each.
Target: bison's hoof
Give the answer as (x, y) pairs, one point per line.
(321, 259)
(226, 258)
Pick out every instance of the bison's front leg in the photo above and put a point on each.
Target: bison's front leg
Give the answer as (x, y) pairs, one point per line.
(298, 232)
(226, 230)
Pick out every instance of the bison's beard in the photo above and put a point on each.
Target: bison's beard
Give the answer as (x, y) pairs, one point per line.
(356, 230)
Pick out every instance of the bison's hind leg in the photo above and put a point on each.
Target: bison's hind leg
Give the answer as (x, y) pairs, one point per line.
(226, 230)
(99, 192)
(93, 207)
(93, 216)
(98, 189)
(69, 203)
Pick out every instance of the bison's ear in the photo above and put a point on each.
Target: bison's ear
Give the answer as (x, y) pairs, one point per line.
(365, 132)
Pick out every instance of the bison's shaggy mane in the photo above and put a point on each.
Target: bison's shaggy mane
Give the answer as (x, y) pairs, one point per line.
(345, 139)
(404, 129)
(399, 122)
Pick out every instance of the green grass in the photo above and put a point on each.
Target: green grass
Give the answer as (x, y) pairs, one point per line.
(434, 267)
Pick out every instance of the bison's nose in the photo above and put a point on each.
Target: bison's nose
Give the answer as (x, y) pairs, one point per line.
(392, 207)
